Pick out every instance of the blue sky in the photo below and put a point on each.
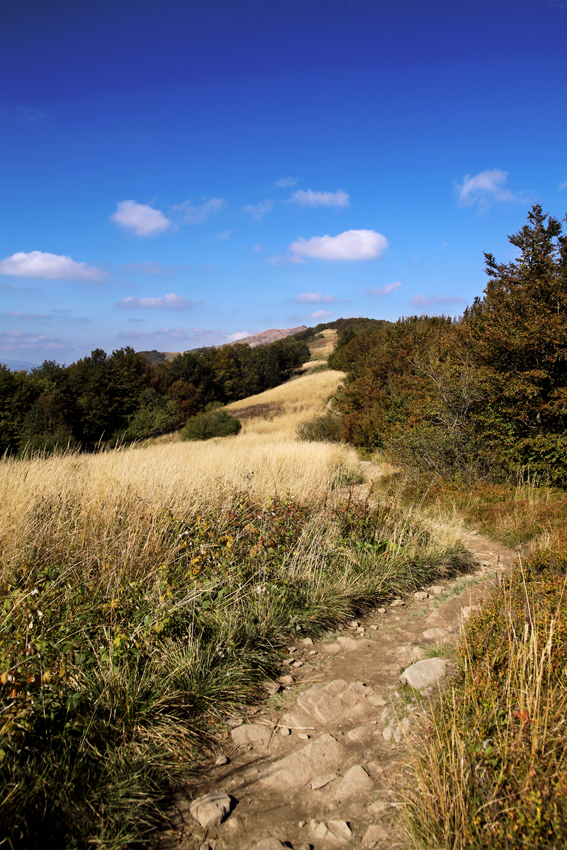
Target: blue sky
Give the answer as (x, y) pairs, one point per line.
(184, 172)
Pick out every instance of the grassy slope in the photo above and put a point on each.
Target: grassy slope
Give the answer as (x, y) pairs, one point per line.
(148, 591)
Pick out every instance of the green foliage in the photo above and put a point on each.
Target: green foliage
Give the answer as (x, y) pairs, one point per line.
(325, 428)
(213, 423)
(111, 673)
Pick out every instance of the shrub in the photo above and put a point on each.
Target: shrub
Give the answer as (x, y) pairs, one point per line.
(323, 429)
(212, 423)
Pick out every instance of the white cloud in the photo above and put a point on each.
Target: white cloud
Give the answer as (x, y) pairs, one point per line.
(258, 211)
(236, 336)
(44, 266)
(484, 189)
(285, 182)
(320, 314)
(18, 341)
(385, 290)
(309, 198)
(432, 300)
(314, 298)
(197, 214)
(226, 234)
(141, 219)
(171, 301)
(350, 245)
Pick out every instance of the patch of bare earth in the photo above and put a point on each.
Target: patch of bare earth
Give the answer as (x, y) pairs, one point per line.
(314, 766)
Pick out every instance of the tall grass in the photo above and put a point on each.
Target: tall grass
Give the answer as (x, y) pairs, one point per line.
(148, 591)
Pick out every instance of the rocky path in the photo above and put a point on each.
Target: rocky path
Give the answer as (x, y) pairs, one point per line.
(312, 768)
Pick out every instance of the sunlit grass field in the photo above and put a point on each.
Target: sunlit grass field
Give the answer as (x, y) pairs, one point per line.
(147, 591)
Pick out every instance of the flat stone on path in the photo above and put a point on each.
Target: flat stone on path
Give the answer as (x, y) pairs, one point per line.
(355, 781)
(251, 733)
(299, 767)
(211, 809)
(269, 844)
(424, 674)
(373, 835)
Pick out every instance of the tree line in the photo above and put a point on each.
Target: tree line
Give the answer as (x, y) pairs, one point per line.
(483, 395)
(106, 399)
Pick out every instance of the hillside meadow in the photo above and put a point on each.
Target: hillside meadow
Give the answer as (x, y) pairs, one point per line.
(150, 590)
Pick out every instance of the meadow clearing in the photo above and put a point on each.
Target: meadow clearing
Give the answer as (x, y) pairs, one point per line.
(149, 590)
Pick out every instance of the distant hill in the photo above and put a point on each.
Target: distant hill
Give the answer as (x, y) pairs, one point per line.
(19, 365)
(263, 338)
(266, 337)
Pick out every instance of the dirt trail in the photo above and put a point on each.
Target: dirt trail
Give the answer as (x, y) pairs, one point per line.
(312, 769)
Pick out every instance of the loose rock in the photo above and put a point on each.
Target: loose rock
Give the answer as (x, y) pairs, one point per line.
(221, 760)
(373, 835)
(435, 634)
(211, 809)
(355, 781)
(424, 674)
(251, 733)
(340, 829)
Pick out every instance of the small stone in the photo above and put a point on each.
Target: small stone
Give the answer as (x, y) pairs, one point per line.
(205, 846)
(373, 835)
(303, 736)
(234, 823)
(251, 733)
(271, 843)
(435, 634)
(313, 652)
(340, 829)
(388, 732)
(221, 760)
(284, 730)
(421, 594)
(417, 654)
(286, 680)
(211, 809)
(424, 674)
(298, 664)
(302, 823)
(288, 661)
(377, 700)
(361, 630)
(398, 734)
(291, 649)
(307, 642)
(380, 610)
(272, 688)
(319, 830)
(437, 589)
(374, 627)
(235, 720)
(321, 781)
(355, 781)
(354, 624)
(387, 713)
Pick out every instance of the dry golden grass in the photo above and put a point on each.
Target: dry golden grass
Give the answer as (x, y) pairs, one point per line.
(298, 401)
(139, 483)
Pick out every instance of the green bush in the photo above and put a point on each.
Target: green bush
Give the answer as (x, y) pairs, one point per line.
(326, 428)
(212, 423)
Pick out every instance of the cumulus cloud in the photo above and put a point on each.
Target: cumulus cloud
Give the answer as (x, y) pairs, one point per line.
(236, 336)
(258, 211)
(140, 219)
(350, 245)
(484, 189)
(309, 198)
(385, 290)
(44, 266)
(18, 341)
(285, 182)
(198, 213)
(314, 298)
(433, 300)
(171, 301)
(320, 314)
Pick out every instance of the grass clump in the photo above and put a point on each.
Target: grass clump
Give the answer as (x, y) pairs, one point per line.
(491, 772)
(215, 422)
